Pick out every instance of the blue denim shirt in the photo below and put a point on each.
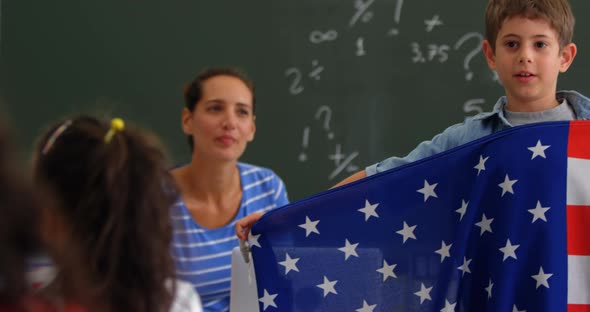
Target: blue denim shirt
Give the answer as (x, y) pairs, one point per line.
(474, 128)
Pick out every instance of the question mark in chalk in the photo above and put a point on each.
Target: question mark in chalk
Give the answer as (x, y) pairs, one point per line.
(472, 53)
(328, 112)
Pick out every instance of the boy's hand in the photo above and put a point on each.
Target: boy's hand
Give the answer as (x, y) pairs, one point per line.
(244, 225)
(357, 176)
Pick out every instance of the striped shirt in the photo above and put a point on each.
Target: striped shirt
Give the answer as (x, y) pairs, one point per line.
(202, 255)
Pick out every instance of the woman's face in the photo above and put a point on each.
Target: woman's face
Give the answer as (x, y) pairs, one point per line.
(222, 122)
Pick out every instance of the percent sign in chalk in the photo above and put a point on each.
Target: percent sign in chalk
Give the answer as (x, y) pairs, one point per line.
(362, 7)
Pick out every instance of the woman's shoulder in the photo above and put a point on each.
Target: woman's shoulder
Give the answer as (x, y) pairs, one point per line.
(247, 169)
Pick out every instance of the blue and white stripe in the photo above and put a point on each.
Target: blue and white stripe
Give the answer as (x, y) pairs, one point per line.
(202, 255)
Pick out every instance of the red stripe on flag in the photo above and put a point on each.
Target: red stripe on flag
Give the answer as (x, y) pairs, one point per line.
(578, 223)
(578, 308)
(579, 133)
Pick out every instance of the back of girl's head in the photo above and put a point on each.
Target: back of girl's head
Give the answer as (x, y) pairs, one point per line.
(115, 193)
(558, 13)
(18, 235)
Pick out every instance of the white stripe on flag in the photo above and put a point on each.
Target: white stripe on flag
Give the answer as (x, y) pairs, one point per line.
(578, 281)
(578, 190)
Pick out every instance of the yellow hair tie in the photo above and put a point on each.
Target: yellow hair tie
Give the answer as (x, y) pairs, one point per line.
(117, 124)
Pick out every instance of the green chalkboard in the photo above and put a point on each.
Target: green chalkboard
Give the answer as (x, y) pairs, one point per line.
(341, 84)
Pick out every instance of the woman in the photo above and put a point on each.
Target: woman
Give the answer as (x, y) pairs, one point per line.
(216, 189)
(110, 232)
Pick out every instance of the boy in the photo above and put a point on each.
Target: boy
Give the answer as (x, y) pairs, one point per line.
(528, 43)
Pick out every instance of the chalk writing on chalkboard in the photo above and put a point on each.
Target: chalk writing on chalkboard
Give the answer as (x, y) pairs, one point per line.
(317, 36)
(342, 161)
(422, 52)
(296, 76)
(362, 12)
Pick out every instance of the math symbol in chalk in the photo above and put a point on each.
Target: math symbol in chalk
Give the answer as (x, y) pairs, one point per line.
(317, 36)
(431, 23)
(472, 53)
(303, 155)
(360, 47)
(418, 56)
(439, 53)
(473, 106)
(396, 17)
(342, 162)
(316, 70)
(295, 74)
(326, 112)
(296, 86)
(362, 11)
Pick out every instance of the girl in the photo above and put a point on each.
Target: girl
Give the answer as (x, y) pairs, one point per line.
(110, 233)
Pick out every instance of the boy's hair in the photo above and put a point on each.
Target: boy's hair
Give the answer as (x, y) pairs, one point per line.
(115, 200)
(18, 226)
(558, 13)
(193, 91)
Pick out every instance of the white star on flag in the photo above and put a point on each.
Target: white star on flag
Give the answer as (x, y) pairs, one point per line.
(485, 224)
(268, 300)
(448, 307)
(407, 232)
(290, 264)
(481, 165)
(369, 210)
(349, 249)
(542, 278)
(538, 150)
(465, 266)
(507, 185)
(423, 293)
(253, 240)
(509, 250)
(366, 307)
(428, 190)
(461, 211)
(328, 286)
(310, 226)
(539, 212)
(444, 251)
(515, 309)
(387, 270)
(489, 289)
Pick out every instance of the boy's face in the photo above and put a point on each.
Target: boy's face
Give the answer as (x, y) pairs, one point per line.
(528, 60)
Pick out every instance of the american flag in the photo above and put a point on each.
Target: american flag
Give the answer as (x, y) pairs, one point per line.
(498, 224)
